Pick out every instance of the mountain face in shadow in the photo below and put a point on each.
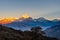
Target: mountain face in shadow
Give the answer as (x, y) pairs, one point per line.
(34, 34)
(53, 31)
(27, 23)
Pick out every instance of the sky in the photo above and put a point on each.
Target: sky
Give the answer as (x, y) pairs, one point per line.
(35, 8)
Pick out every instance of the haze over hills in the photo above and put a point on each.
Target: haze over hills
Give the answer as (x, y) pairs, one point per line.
(53, 31)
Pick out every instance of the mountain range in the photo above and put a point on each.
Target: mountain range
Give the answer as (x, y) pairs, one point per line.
(27, 23)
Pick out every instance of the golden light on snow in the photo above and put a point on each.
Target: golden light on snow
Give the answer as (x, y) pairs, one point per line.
(25, 16)
(7, 20)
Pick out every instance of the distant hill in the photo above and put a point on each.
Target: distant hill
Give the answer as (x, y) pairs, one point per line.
(53, 31)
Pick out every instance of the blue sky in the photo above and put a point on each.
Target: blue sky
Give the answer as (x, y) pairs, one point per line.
(36, 8)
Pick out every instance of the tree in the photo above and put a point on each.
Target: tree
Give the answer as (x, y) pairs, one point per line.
(38, 30)
(37, 33)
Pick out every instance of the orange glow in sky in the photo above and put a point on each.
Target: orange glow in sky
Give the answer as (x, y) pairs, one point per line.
(7, 20)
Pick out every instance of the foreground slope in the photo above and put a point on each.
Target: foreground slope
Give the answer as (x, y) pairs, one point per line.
(11, 34)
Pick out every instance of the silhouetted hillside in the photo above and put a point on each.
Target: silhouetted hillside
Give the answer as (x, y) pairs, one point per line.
(34, 34)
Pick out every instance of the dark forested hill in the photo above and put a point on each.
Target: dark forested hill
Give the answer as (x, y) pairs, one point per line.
(33, 34)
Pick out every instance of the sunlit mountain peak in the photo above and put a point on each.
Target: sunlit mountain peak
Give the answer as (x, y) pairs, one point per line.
(7, 20)
(25, 16)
